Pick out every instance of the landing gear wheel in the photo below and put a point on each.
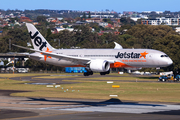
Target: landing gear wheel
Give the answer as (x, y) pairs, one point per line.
(86, 74)
(102, 73)
(91, 73)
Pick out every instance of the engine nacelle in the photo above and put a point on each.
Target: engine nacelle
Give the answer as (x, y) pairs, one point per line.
(99, 65)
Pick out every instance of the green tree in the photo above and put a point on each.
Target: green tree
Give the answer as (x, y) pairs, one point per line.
(124, 28)
(48, 33)
(84, 17)
(14, 19)
(108, 20)
(126, 21)
(41, 19)
(89, 16)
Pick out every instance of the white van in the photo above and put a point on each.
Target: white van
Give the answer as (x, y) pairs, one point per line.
(22, 70)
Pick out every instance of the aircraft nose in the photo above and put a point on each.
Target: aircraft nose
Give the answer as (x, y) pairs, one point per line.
(170, 61)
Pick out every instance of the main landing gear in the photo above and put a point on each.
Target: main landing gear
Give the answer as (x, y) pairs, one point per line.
(91, 73)
(88, 73)
(104, 73)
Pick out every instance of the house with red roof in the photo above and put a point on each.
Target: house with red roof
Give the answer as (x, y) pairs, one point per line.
(25, 19)
(109, 26)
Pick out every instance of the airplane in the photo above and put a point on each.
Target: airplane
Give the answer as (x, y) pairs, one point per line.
(94, 60)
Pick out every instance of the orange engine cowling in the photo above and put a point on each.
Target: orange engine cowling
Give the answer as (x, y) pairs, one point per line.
(118, 65)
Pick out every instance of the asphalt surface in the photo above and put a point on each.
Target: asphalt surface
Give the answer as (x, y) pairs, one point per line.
(23, 108)
(34, 79)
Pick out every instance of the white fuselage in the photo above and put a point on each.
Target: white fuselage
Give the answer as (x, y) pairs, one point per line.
(128, 57)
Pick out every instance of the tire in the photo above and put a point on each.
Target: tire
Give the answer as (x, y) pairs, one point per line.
(102, 73)
(91, 73)
(86, 74)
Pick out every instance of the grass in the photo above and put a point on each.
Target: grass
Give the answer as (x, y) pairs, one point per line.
(125, 77)
(88, 89)
(121, 78)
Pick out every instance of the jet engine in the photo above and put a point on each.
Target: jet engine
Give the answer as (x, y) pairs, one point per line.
(99, 65)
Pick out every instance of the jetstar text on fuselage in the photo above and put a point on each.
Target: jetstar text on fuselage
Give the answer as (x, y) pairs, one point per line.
(131, 55)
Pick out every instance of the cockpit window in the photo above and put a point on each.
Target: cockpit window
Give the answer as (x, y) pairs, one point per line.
(164, 55)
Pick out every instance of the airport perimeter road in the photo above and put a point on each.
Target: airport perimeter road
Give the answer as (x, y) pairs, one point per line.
(22, 108)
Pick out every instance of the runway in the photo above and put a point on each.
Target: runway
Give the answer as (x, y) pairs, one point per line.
(23, 108)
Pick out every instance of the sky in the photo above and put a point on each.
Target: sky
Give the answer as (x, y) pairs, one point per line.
(93, 5)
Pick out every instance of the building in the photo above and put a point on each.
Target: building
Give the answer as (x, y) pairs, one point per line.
(162, 21)
(140, 16)
(89, 20)
(25, 19)
(99, 16)
(157, 12)
(103, 24)
(35, 23)
(177, 29)
(50, 19)
(57, 30)
(149, 22)
(128, 12)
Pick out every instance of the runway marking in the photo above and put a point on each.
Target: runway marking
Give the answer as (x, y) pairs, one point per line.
(113, 95)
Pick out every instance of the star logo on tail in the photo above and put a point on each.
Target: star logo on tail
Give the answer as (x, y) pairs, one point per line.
(143, 55)
(45, 56)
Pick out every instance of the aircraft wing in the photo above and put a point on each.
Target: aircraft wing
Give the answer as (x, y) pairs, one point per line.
(79, 60)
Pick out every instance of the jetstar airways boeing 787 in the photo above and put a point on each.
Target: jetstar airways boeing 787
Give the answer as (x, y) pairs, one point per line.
(94, 60)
